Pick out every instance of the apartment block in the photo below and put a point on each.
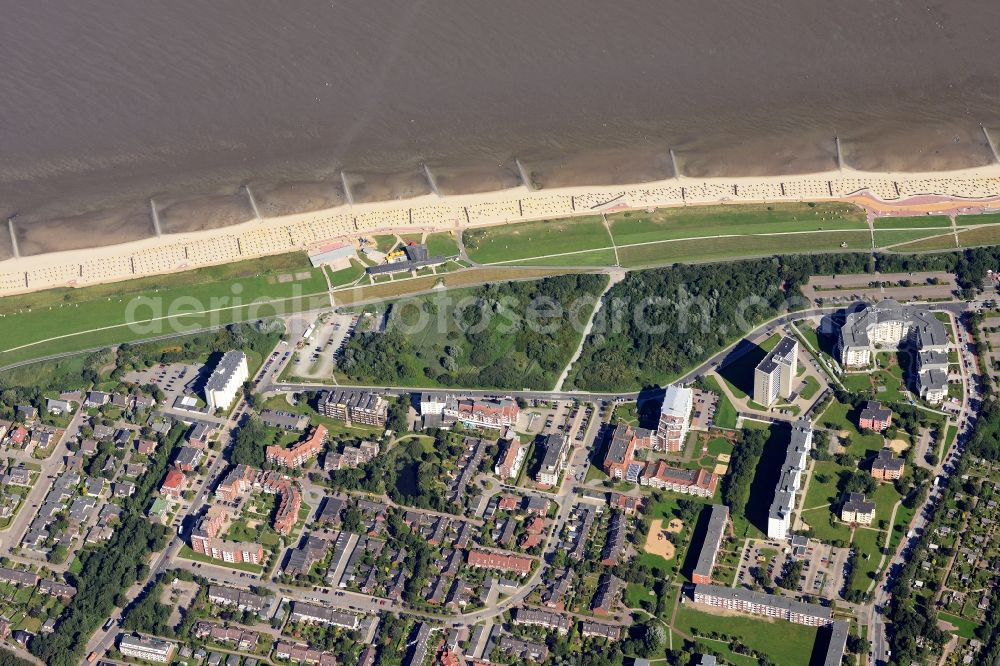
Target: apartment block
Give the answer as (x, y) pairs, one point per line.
(887, 467)
(758, 603)
(675, 418)
(779, 517)
(856, 509)
(226, 380)
(774, 376)
(718, 518)
(554, 448)
(352, 406)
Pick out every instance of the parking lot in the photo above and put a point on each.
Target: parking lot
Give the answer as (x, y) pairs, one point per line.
(314, 356)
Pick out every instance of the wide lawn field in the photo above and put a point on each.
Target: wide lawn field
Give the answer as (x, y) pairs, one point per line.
(131, 316)
(524, 240)
(698, 221)
(731, 247)
(868, 544)
(442, 244)
(785, 643)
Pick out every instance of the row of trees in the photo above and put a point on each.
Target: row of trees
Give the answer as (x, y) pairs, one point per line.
(742, 468)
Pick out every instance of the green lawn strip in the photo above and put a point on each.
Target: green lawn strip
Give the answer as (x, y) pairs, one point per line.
(983, 218)
(964, 627)
(784, 643)
(442, 244)
(181, 324)
(980, 236)
(634, 594)
(604, 257)
(946, 242)
(888, 238)
(708, 249)
(696, 221)
(535, 239)
(719, 445)
(725, 412)
(914, 222)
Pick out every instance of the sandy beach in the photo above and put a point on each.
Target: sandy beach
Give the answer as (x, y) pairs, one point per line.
(962, 191)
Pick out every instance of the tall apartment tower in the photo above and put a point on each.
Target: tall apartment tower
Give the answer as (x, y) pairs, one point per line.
(775, 375)
(675, 418)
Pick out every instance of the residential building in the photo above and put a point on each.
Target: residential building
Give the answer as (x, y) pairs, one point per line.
(718, 518)
(856, 509)
(482, 559)
(238, 480)
(608, 632)
(301, 452)
(779, 517)
(18, 577)
(511, 458)
(146, 649)
(173, 484)
(698, 482)
(315, 614)
(758, 603)
(614, 542)
(890, 326)
(606, 598)
(524, 651)
(775, 375)
(886, 467)
(496, 414)
(836, 633)
(355, 406)
(56, 589)
(539, 618)
(298, 653)
(554, 448)
(187, 458)
(241, 599)
(875, 417)
(675, 418)
(226, 380)
(622, 445)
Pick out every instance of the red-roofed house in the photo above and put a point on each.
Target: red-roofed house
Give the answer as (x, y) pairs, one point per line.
(481, 559)
(174, 484)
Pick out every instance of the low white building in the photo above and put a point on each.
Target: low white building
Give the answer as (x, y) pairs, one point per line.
(147, 649)
(226, 380)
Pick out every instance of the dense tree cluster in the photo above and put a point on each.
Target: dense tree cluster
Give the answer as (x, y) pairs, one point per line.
(742, 467)
(501, 335)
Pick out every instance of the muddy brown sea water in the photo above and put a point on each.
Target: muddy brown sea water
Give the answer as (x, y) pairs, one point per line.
(108, 104)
